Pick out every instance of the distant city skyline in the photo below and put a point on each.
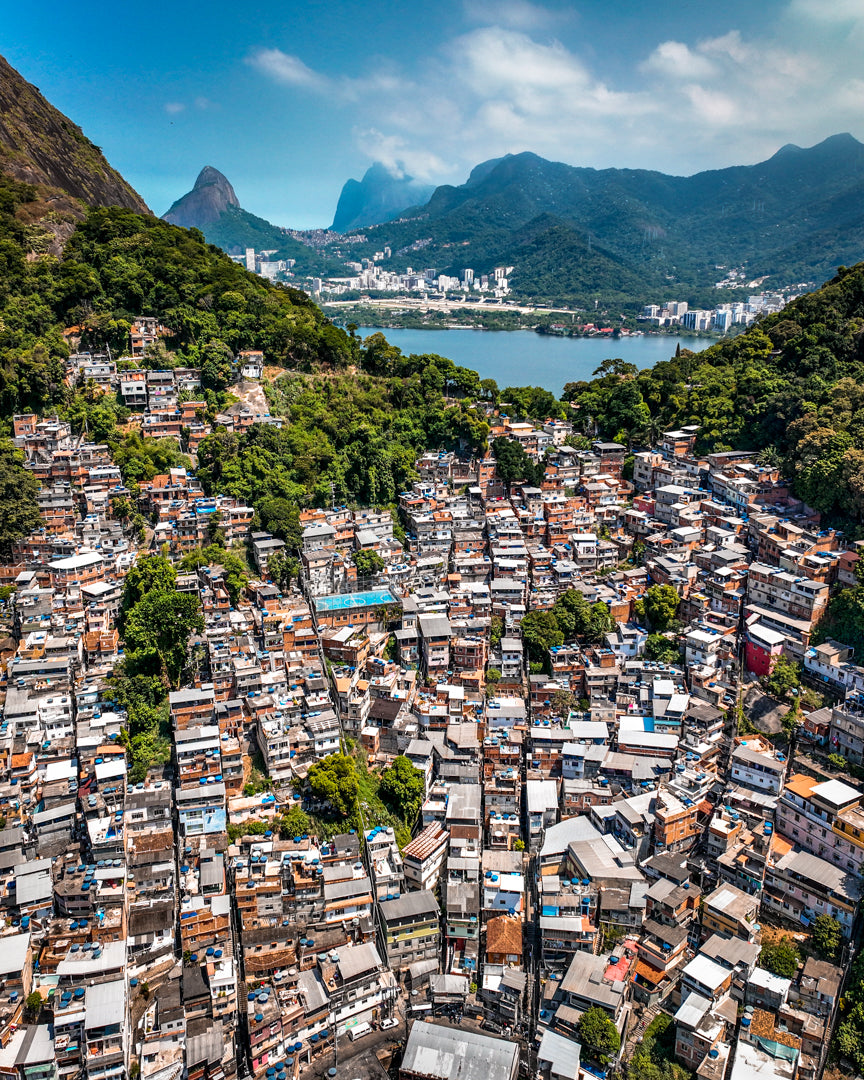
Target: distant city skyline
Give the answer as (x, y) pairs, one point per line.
(288, 106)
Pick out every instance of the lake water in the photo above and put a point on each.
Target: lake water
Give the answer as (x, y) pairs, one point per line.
(523, 358)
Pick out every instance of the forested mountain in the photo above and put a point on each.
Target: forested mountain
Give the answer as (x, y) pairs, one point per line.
(379, 196)
(791, 387)
(792, 218)
(213, 207)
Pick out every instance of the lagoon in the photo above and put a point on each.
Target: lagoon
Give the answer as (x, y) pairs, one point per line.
(523, 358)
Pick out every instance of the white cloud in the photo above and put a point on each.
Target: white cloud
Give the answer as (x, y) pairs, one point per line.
(829, 11)
(676, 60)
(508, 87)
(174, 107)
(399, 157)
(513, 14)
(287, 69)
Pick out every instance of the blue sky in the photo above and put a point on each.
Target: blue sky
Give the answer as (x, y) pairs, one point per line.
(290, 99)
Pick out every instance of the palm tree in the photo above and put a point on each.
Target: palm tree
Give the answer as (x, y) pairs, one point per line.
(770, 457)
(652, 431)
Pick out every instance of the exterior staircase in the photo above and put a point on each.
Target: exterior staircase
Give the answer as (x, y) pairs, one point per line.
(638, 1030)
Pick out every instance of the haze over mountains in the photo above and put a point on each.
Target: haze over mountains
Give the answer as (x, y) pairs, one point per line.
(571, 232)
(793, 217)
(380, 196)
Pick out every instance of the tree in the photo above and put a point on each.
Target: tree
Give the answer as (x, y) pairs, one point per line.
(827, 936)
(785, 676)
(770, 457)
(281, 517)
(493, 677)
(158, 628)
(217, 365)
(540, 632)
(512, 462)
(236, 576)
(518, 845)
(600, 622)
(403, 786)
(562, 702)
(149, 573)
(661, 606)
(19, 508)
(121, 507)
(368, 563)
(282, 568)
(780, 959)
(33, 1003)
(598, 1033)
(294, 823)
(334, 780)
(661, 649)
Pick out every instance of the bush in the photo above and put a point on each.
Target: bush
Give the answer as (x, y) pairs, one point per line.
(827, 936)
(780, 959)
(598, 1033)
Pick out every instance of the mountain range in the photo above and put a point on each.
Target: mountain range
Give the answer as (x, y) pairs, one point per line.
(791, 218)
(574, 234)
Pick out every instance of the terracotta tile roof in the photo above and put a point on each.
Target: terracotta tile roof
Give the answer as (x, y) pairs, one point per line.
(504, 936)
(801, 785)
(762, 1024)
(648, 973)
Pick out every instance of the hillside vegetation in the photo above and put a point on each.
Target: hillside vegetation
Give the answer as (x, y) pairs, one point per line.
(569, 231)
(792, 387)
(359, 414)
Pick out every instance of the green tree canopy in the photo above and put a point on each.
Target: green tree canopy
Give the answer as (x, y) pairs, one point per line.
(785, 676)
(598, 1033)
(334, 780)
(149, 573)
(236, 572)
(827, 936)
(368, 563)
(403, 787)
(295, 823)
(282, 569)
(217, 365)
(19, 508)
(157, 631)
(660, 648)
(661, 606)
(780, 959)
(540, 632)
(512, 463)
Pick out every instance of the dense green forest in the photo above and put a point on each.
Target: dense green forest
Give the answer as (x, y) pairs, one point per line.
(117, 265)
(791, 387)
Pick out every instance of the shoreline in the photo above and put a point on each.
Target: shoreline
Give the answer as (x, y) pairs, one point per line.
(673, 332)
